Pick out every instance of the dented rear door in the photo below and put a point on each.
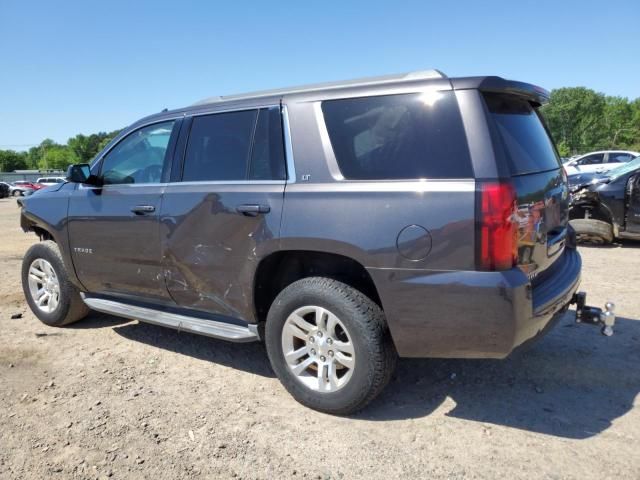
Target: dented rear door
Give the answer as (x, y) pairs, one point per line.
(222, 215)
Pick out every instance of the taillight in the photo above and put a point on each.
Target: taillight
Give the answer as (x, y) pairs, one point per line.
(497, 226)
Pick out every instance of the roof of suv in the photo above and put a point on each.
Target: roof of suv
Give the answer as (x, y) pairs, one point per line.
(533, 93)
(317, 87)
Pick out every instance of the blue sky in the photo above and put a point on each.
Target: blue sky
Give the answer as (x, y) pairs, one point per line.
(82, 66)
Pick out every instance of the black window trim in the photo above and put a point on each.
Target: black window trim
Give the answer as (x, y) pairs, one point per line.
(184, 143)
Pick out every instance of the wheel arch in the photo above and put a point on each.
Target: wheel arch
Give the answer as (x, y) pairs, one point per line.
(598, 210)
(281, 268)
(30, 222)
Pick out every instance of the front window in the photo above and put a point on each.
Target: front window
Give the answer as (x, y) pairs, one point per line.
(595, 159)
(139, 157)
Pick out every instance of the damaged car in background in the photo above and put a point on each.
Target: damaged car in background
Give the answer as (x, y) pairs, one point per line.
(606, 206)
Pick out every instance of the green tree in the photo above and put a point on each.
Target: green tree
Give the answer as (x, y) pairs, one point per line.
(57, 157)
(618, 128)
(576, 118)
(10, 160)
(86, 147)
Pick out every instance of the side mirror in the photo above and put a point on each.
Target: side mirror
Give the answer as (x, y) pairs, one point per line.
(79, 173)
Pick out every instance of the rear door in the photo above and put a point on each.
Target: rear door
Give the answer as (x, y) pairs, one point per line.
(537, 175)
(222, 214)
(633, 204)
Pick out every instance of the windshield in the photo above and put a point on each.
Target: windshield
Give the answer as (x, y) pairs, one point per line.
(628, 167)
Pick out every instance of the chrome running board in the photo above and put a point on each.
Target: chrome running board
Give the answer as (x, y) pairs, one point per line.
(209, 328)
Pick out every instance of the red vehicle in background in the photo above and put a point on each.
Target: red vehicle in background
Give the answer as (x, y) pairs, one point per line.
(24, 187)
(27, 184)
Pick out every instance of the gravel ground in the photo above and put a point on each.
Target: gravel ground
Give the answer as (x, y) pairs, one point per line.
(113, 398)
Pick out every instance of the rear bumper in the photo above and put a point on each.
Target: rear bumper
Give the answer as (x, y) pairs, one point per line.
(469, 314)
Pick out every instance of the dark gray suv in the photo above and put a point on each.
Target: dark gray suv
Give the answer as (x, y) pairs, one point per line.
(344, 224)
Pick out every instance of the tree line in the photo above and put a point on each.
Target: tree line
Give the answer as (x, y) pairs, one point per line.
(50, 155)
(580, 120)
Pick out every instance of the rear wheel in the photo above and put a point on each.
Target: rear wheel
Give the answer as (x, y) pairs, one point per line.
(50, 295)
(329, 345)
(592, 231)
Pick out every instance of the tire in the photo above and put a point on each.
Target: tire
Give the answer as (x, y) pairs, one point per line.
(595, 231)
(359, 325)
(16, 193)
(69, 308)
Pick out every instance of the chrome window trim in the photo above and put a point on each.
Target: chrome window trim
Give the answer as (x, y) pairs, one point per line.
(110, 186)
(83, 186)
(415, 186)
(288, 146)
(327, 147)
(291, 173)
(229, 182)
(243, 108)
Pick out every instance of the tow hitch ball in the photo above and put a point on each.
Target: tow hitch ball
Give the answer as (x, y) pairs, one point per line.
(605, 319)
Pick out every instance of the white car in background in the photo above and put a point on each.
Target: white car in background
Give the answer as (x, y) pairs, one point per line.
(48, 181)
(598, 162)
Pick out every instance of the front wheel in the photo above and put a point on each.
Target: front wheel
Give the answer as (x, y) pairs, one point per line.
(593, 231)
(50, 295)
(329, 345)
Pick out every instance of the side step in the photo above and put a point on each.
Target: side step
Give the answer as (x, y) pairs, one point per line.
(209, 328)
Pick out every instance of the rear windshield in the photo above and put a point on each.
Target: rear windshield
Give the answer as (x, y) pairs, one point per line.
(398, 136)
(524, 137)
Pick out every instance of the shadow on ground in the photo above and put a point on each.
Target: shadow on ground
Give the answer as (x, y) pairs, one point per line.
(248, 357)
(621, 243)
(573, 383)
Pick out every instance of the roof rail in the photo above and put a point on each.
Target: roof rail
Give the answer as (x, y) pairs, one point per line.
(360, 82)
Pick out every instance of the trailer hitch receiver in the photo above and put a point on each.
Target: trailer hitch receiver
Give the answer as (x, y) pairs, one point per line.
(605, 319)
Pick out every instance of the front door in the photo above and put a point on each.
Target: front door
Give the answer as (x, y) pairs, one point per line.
(633, 208)
(114, 228)
(222, 216)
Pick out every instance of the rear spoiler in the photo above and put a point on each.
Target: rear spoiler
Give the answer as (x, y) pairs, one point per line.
(536, 95)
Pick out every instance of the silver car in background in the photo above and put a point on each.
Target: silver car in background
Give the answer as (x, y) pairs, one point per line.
(598, 162)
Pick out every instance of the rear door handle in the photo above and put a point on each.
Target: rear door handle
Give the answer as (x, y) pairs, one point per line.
(253, 210)
(143, 209)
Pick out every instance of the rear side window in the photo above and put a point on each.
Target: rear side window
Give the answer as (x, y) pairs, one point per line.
(391, 137)
(619, 157)
(219, 146)
(524, 137)
(236, 146)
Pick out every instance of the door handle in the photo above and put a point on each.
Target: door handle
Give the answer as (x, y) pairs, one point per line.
(143, 209)
(253, 210)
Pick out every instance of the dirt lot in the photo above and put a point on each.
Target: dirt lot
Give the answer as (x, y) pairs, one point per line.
(121, 399)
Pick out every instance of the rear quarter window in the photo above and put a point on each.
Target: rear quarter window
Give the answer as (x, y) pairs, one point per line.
(523, 135)
(408, 136)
